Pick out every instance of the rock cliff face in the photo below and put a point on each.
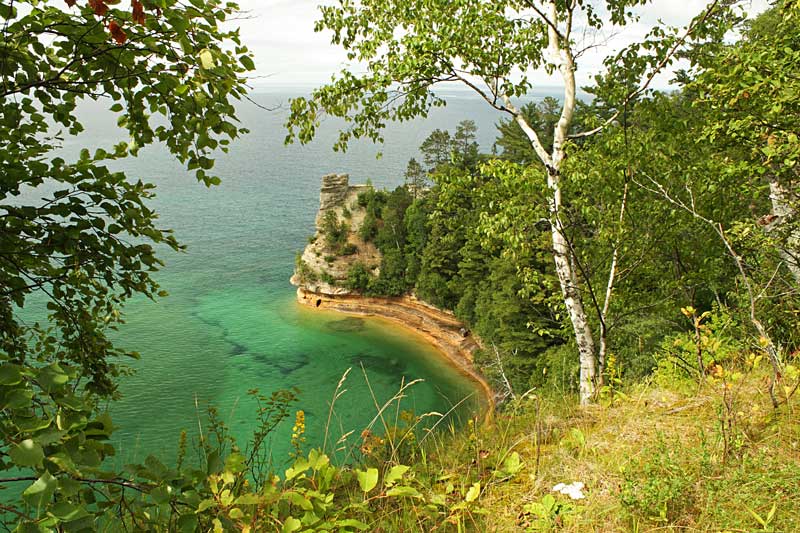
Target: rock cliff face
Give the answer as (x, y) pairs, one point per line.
(316, 269)
(320, 270)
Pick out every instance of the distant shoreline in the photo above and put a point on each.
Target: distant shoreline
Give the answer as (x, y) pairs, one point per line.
(437, 328)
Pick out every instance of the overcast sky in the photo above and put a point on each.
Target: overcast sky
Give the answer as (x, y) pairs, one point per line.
(289, 53)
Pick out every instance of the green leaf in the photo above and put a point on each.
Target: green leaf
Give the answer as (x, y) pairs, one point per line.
(299, 500)
(160, 494)
(291, 524)
(206, 504)
(248, 499)
(206, 59)
(235, 462)
(367, 479)
(352, 522)
(512, 464)
(52, 376)
(27, 453)
(394, 474)
(404, 491)
(187, 523)
(548, 502)
(67, 512)
(473, 492)
(247, 62)
(10, 374)
(40, 492)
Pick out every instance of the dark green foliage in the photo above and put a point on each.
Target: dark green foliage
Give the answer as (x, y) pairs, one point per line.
(436, 149)
(372, 201)
(443, 252)
(465, 146)
(358, 277)
(392, 231)
(416, 178)
(369, 227)
(542, 116)
(416, 220)
(392, 280)
(304, 272)
(334, 232)
(349, 249)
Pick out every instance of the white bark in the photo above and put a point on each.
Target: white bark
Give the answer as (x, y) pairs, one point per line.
(612, 275)
(562, 58)
(783, 210)
(562, 253)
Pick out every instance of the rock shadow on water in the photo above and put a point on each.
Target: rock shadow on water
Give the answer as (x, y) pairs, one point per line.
(350, 324)
(390, 366)
(267, 365)
(237, 349)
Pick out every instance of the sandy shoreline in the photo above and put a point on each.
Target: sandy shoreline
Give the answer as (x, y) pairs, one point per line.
(439, 329)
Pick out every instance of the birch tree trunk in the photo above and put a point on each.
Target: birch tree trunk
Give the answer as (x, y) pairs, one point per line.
(561, 57)
(782, 210)
(571, 293)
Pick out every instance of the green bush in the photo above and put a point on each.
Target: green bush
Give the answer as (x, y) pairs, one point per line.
(349, 249)
(358, 277)
(303, 271)
(335, 232)
(369, 227)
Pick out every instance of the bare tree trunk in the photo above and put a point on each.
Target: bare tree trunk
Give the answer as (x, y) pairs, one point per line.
(572, 296)
(562, 58)
(612, 276)
(782, 210)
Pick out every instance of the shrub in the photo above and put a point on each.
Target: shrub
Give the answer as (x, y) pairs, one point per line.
(304, 272)
(358, 277)
(659, 488)
(369, 227)
(327, 278)
(335, 232)
(349, 249)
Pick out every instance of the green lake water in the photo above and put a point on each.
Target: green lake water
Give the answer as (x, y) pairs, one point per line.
(231, 322)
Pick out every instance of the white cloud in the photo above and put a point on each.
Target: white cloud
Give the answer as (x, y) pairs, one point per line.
(289, 53)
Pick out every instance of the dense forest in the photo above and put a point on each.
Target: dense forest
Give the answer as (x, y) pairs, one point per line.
(630, 262)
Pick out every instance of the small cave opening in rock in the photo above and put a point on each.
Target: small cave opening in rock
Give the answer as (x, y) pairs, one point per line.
(319, 302)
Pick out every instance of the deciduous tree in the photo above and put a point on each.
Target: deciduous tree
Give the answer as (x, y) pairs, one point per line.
(79, 237)
(492, 48)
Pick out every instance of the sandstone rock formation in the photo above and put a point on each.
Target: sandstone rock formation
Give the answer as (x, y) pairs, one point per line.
(320, 275)
(318, 266)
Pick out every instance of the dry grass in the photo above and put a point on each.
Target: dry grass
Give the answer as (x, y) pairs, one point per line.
(655, 452)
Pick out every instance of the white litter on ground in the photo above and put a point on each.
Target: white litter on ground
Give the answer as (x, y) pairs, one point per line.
(573, 490)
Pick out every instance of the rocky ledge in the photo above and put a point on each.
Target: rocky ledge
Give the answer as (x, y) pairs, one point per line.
(320, 270)
(440, 328)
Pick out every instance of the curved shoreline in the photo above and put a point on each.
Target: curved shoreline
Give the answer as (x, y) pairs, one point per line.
(440, 329)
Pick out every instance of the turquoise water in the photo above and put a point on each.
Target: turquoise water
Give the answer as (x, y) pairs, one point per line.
(231, 322)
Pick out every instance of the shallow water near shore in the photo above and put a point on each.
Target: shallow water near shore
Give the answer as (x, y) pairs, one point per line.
(231, 322)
